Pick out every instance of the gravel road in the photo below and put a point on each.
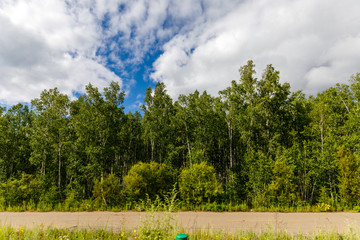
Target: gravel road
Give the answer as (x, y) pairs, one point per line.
(306, 223)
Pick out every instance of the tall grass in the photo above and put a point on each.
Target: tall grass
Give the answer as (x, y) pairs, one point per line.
(163, 232)
(169, 202)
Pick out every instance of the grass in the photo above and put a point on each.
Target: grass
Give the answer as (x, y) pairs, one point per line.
(172, 205)
(162, 232)
(169, 203)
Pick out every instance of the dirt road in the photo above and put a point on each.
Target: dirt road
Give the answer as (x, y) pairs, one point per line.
(306, 223)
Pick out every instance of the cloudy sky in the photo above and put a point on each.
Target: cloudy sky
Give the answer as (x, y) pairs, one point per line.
(187, 44)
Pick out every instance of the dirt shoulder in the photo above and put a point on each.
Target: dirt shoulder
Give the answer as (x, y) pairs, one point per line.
(293, 223)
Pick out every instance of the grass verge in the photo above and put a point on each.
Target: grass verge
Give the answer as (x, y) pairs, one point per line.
(162, 232)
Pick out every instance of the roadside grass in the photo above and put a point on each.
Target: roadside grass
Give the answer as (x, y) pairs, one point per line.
(161, 232)
(169, 204)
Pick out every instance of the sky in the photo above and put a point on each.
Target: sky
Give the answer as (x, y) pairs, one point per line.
(189, 45)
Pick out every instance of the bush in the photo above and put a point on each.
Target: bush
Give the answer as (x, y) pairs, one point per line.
(107, 191)
(198, 184)
(20, 191)
(50, 197)
(282, 189)
(148, 179)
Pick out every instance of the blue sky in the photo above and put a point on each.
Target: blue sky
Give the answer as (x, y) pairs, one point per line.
(189, 45)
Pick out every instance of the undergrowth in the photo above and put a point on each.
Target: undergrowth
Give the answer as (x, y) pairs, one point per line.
(169, 203)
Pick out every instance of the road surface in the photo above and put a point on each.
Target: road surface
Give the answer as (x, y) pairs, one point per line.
(293, 223)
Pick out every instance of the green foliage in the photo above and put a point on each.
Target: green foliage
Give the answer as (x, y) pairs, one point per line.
(154, 227)
(325, 198)
(198, 183)
(97, 123)
(157, 227)
(169, 203)
(158, 111)
(51, 195)
(349, 177)
(269, 147)
(150, 179)
(107, 190)
(231, 188)
(19, 191)
(282, 188)
(14, 142)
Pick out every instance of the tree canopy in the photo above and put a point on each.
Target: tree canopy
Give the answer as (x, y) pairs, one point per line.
(257, 141)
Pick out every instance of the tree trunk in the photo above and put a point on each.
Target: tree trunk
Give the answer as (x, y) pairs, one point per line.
(230, 132)
(59, 170)
(152, 142)
(188, 143)
(43, 163)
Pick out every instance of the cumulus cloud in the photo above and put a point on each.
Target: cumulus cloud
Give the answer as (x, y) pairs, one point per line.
(67, 44)
(314, 44)
(47, 44)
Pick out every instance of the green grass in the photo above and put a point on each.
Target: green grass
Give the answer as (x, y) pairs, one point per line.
(172, 205)
(162, 232)
(169, 203)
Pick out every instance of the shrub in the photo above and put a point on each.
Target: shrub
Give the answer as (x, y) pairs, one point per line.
(282, 189)
(349, 177)
(148, 179)
(107, 190)
(19, 191)
(198, 184)
(50, 197)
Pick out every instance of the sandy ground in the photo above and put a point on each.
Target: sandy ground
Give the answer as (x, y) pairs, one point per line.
(306, 223)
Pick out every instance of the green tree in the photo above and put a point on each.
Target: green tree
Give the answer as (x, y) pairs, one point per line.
(15, 142)
(107, 190)
(282, 187)
(231, 100)
(329, 116)
(150, 179)
(19, 191)
(349, 177)
(158, 111)
(201, 124)
(97, 119)
(50, 137)
(352, 139)
(131, 143)
(198, 183)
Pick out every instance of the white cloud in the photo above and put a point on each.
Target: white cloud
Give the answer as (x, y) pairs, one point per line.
(47, 44)
(64, 44)
(313, 43)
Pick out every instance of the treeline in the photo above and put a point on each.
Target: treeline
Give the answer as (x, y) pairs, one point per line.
(269, 146)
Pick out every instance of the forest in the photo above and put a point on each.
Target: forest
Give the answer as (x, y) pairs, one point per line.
(256, 143)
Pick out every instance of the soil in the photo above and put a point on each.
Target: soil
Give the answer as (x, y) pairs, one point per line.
(293, 223)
